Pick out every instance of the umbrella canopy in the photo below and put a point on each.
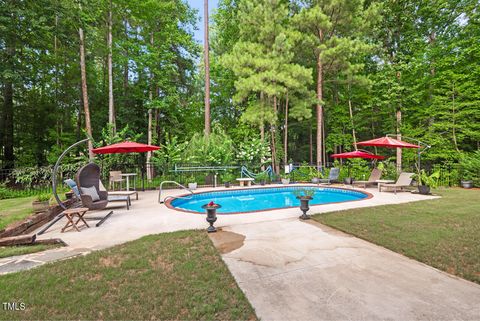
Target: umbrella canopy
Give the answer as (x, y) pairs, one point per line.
(387, 142)
(358, 154)
(125, 147)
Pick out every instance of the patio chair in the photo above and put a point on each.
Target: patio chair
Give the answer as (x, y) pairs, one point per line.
(332, 176)
(112, 197)
(88, 178)
(403, 181)
(115, 177)
(372, 180)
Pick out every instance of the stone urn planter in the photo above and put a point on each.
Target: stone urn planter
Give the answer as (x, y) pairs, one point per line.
(466, 183)
(304, 200)
(424, 189)
(285, 181)
(211, 209)
(192, 186)
(315, 180)
(348, 180)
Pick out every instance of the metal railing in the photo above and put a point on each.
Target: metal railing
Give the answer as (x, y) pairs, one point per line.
(21, 182)
(171, 182)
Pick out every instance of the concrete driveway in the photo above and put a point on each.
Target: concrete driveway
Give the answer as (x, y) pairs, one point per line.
(293, 270)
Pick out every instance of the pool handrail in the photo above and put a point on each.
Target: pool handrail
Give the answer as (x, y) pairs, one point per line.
(171, 182)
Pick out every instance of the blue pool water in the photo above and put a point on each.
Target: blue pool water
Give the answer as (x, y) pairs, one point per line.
(258, 199)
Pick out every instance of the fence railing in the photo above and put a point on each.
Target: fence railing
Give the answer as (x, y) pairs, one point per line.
(36, 180)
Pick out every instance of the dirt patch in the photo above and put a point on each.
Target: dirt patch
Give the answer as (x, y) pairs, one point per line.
(160, 263)
(111, 261)
(227, 242)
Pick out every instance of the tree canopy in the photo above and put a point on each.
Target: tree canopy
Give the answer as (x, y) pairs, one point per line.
(290, 80)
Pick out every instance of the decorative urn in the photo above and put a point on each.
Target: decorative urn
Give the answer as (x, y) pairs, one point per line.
(211, 215)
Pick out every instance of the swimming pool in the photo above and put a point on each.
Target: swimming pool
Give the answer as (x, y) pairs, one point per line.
(262, 199)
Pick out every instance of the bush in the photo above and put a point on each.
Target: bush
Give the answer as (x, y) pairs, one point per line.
(215, 149)
(470, 167)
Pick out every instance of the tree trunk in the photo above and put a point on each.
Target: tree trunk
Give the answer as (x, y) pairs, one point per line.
(310, 143)
(149, 141)
(454, 135)
(8, 115)
(272, 134)
(399, 134)
(125, 69)
(351, 119)
(86, 108)
(285, 138)
(320, 160)
(207, 70)
(111, 109)
(149, 130)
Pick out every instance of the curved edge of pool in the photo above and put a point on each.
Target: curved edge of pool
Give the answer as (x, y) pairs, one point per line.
(170, 206)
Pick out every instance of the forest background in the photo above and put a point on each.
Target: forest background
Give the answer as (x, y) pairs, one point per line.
(290, 81)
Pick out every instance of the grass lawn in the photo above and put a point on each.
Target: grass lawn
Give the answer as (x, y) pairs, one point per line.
(443, 233)
(15, 209)
(174, 276)
(6, 251)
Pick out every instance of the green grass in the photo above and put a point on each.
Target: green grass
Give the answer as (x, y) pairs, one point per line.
(443, 233)
(15, 209)
(174, 276)
(6, 251)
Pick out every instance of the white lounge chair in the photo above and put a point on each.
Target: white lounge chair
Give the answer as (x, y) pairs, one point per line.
(372, 180)
(403, 181)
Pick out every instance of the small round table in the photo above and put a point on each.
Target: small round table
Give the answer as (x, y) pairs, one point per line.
(383, 181)
(127, 175)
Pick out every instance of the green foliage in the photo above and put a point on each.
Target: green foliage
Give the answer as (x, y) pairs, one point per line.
(253, 152)
(431, 180)
(227, 177)
(389, 170)
(43, 197)
(214, 149)
(470, 167)
(170, 152)
(304, 192)
(262, 177)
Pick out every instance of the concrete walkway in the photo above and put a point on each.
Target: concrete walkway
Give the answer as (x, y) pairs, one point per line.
(293, 270)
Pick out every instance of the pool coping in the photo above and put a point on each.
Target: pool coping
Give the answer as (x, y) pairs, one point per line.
(170, 206)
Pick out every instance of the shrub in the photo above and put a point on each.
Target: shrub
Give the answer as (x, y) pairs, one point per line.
(470, 167)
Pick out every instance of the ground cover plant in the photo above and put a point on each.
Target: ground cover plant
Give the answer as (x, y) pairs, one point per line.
(15, 209)
(443, 233)
(171, 276)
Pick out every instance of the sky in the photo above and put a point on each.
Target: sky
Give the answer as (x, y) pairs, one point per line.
(198, 4)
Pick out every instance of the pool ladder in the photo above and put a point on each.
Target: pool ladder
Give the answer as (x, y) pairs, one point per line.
(168, 197)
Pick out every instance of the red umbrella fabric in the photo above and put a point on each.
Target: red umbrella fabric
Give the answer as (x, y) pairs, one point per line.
(125, 147)
(358, 154)
(387, 142)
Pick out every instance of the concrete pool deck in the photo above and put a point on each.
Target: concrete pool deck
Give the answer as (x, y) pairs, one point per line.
(146, 216)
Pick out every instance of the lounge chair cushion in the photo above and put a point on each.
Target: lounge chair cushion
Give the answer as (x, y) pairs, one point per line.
(71, 183)
(92, 192)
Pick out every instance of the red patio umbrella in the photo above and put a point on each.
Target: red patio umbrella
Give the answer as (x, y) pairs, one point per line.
(125, 147)
(387, 142)
(358, 154)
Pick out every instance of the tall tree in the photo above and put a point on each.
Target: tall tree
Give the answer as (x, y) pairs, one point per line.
(86, 107)
(207, 68)
(330, 28)
(111, 108)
